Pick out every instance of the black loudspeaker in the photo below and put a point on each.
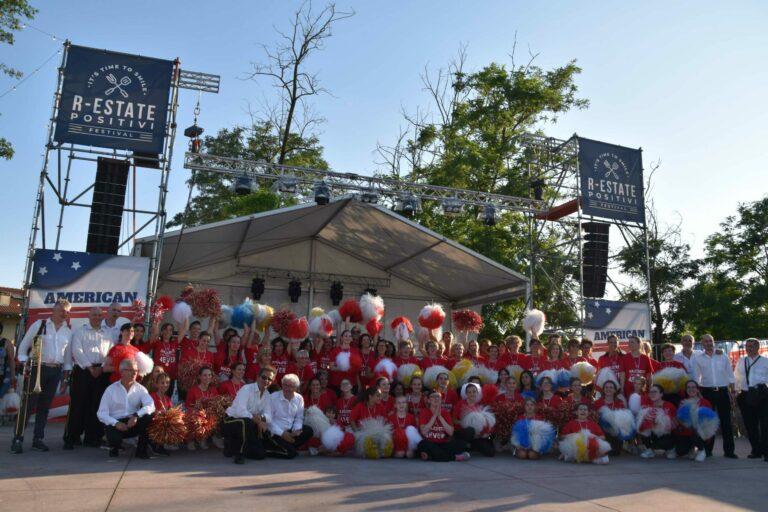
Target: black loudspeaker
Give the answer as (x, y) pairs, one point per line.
(595, 255)
(107, 206)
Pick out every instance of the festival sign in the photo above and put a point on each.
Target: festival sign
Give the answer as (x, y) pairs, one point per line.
(85, 280)
(611, 181)
(624, 319)
(114, 100)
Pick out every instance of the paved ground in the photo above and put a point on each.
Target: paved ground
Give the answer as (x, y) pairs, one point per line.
(86, 480)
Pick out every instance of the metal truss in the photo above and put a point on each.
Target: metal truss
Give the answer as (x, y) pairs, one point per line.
(341, 182)
(273, 273)
(197, 81)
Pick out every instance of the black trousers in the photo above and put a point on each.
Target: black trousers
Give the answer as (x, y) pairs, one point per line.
(756, 420)
(85, 392)
(441, 452)
(684, 444)
(279, 448)
(115, 437)
(483, 445)
(241, 438)
(616, 445)
(50, 378)
(654, 442)
(721, 401)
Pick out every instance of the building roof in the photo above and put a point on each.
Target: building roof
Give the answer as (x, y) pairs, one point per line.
(13, 308)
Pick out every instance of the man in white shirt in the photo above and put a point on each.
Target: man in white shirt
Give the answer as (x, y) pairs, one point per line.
(90, 346)
(126, 409)
(752, 382)
(56, 364)
(686, 355)
(113, 322)
(287, 422)
(713, 372)
(247, 420)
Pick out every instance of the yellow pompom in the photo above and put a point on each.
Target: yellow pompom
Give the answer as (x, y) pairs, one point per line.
(371, 449)
(461, 368)
(581, 449)
(264, 325)
(316, 312)
(389, 447)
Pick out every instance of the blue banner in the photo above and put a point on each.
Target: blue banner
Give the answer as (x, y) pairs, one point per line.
(624, 319)
(114, 100)
(611, 181)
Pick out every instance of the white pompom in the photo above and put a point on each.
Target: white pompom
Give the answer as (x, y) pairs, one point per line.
(481, 421)
(335, 317)
(414, 438)
(387, 366)
(634, 403)
(144, 363)
(332, 437)
(342, 361)
(181, 312)
(316, 419)
(604, 375)
(534, 322)
(11, 402)
(372, 306)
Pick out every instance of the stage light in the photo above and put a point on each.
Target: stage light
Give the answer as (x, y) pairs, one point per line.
(337, 292)
(294, 290)
(488, 215)
(286, 185)
(408, 205)
(372, 291)
(369, 195)
(322, 192)
(244, 185)
(452, 207)
(257, 288)
(194, 132)
(538, 189)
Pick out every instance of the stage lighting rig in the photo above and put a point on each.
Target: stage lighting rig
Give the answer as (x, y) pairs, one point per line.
(369, 195)
(408, 205)
(286, 185)
(337, 292)
(294, 290)
(488, 215)
(257, 288)
(452, 207)
(322, 192)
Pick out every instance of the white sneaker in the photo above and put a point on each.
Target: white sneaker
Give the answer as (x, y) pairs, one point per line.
(218, 442)
(701, 456)
(191, 446)
(313, 451)
(693, 453)
(647, 454)
(602, 460)
(203, 444)
(671, 454)
(171, 447)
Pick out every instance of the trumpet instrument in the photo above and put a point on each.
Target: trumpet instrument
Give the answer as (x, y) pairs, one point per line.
(37, 355)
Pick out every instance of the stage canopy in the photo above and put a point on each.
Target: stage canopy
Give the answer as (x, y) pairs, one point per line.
(358, 244)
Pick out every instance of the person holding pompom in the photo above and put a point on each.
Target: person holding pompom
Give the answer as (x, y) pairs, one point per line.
(197, 350)
(613, 359)
(525, 449)
(120, 351)
(577, 395)
(344, 405)
(612, 400)
(594, 450)
(687, 439)
(165, 350)
(400, 419)
(635, 364)
(537, 360)
(231, 386)
(436, 428)
(368, 406)
(158, 391)
(655, 425)
(509, 392)
(548, 399)
(203, 389)
(346, 356)
(667, 361)
(528, 385)
(230, 355)
(317, 396)
(433, 357)
(477, 440)
(415, 396)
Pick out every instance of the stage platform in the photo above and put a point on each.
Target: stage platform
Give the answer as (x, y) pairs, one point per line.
(87, 480)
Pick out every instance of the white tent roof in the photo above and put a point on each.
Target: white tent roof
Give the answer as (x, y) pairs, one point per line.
(353, 240)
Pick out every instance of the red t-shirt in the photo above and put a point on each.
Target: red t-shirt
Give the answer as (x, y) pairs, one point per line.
(504, 397)
(462, 408)
(195, 394)
(323, 359)
(521, 360)
(569, 361)
(633, 367)
(252, 365)
(164, 354)
(368, 364)
(400, 361)
(305, 373)
(437, 433)
(592, 361)
(613, 361)
(162, 401)
(362, 412)
(616, 404)
(401, 423)
(280, 364)
(194, 355)
(337, 376)
(450, 398)
(574, 426)
(388, 404)
(427, 362)
(223, 363)
(583, 400)
(660, 365)
(554, 402)
(415, 405)
(537, 364)
(117, 354)
(497, 365)
(230, 388)
(326, 399)
(477, 360)
(344, 408)
(557, 364)
(187, 343)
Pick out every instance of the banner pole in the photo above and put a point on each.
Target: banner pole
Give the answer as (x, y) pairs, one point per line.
(39, 201)
(647, 262)
(579, 238)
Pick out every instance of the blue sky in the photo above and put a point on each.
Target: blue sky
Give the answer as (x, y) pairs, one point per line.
(683, 80)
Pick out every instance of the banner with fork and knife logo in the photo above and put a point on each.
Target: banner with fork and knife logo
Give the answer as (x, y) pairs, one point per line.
(611, 181)
(114, 100)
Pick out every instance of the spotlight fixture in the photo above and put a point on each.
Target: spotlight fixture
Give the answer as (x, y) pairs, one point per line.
(244, 185)
(452, 207)
(538, 189)
(372, 291)
(286, 185)
(294, 290)
(408, 204)
(322, 192)
(369, 195)
(337, 292)
(488, 215)
(194, 132)
(257, 288)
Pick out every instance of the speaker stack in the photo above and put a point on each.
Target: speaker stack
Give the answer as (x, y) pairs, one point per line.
(595, 258)
(107, 206)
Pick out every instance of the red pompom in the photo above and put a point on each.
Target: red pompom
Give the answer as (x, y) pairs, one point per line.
(281, 320)
(200, 425)
(401, 320)
(506, 414)
(138, 308)
(186, 294)
(188, 372)
(399, 440)
(347, 443)
(350, 309)
(355, 362)
(467, 320)
(297, 329)
(432, 316)
(168, 427)
(205, 303)
(490, 392)
(215, 406)
(373, 327)
(164, 302)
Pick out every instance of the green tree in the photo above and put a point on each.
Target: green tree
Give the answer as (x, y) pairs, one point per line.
(12, 12)
(470, 139)
(216, 200)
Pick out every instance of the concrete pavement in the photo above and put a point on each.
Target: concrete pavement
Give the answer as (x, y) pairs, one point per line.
(87, 480)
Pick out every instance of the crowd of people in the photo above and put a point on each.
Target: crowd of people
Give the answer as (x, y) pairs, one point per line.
(435, 399)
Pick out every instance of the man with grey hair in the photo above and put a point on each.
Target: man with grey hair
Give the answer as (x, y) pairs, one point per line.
(686, 355)
(90, 346)
(287, 422)
(113, 321)
(713, 372)
(126, 409)
(752, 383)
(54, 370)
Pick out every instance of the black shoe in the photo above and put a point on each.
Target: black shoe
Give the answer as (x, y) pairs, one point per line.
(765, 458)
(68, 445)
(17, 446)
(731, 456)
(239, 459)
(39, 445)
(754, 456)
(114, 452)
(77, 442)
(160, 450)
(142, 455)
(96, 443)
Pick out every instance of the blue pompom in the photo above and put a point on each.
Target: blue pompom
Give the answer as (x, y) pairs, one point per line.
(226, 317)
(520, 436)
(684, 414)
(529, 394)
(242, 315)
(564, 379)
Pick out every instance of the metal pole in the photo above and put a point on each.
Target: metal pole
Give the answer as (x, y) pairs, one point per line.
(647, 264)
(157, 244)
(41, 192)
(579, 238)
(63, 201)
(311, 302)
